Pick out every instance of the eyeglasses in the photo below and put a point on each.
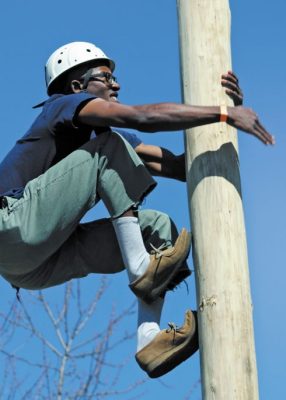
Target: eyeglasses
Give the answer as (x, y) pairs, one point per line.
(108, 78)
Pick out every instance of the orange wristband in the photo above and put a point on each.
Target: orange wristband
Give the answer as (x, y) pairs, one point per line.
(223, 114)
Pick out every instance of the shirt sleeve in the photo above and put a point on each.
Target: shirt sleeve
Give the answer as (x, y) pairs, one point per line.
(60, 113)
(132, 138)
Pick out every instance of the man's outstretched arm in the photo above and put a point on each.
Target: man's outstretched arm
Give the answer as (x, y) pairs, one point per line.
(169, 117)
(173, 116)
(162, 162)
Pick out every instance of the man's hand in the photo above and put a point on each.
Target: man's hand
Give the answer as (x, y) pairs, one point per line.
(247, 120)
(231, 83)
(162, 162)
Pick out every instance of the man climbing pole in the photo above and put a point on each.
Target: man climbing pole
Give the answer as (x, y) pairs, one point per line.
(70, 159)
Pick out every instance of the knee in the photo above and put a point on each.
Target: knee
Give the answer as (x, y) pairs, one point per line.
(157, 228)
(155, 219)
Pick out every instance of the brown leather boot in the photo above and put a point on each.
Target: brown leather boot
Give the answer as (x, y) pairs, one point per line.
(170, 347)
(162, 268)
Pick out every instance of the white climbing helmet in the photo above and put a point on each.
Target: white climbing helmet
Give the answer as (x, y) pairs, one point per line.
(69, 56)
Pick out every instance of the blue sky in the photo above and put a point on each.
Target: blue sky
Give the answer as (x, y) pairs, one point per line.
(142, 38)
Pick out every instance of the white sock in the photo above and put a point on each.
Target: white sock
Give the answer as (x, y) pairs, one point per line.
(149, 316)
(136, 258)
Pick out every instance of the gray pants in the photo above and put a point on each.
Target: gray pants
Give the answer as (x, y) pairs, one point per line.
(42, 242)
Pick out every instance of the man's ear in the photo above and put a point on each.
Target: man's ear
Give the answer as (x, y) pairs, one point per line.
(76, 86)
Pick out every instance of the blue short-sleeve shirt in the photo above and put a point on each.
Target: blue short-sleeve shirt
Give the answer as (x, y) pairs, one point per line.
(52, 136)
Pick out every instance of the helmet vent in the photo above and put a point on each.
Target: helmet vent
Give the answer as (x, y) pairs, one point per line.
(59, 61)
(88, 50)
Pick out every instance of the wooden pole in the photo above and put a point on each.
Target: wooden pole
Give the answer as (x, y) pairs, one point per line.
(228, 364)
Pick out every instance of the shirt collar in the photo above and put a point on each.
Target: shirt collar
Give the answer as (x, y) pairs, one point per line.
(54, 96)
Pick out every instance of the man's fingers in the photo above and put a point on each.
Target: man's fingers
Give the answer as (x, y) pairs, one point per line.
(230, 85)
(260, 132)
(234, 95)
(269, 138)
(261, 136)
(231, 75)
(234, 89)
(231, 78)
(234, 75)
(230, 82)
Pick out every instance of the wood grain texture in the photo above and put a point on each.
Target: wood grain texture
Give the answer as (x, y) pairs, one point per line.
(227, 351)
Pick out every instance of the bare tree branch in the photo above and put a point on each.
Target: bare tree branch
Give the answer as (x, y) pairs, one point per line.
(73, 359)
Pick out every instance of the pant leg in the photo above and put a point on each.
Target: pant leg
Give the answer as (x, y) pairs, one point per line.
(93, 248)
(34, 227)
(157, 229)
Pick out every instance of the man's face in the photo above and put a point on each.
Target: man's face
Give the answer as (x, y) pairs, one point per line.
(102, 85)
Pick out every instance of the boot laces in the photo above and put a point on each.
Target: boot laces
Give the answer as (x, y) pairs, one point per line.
(158, 251)
(172, 328)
